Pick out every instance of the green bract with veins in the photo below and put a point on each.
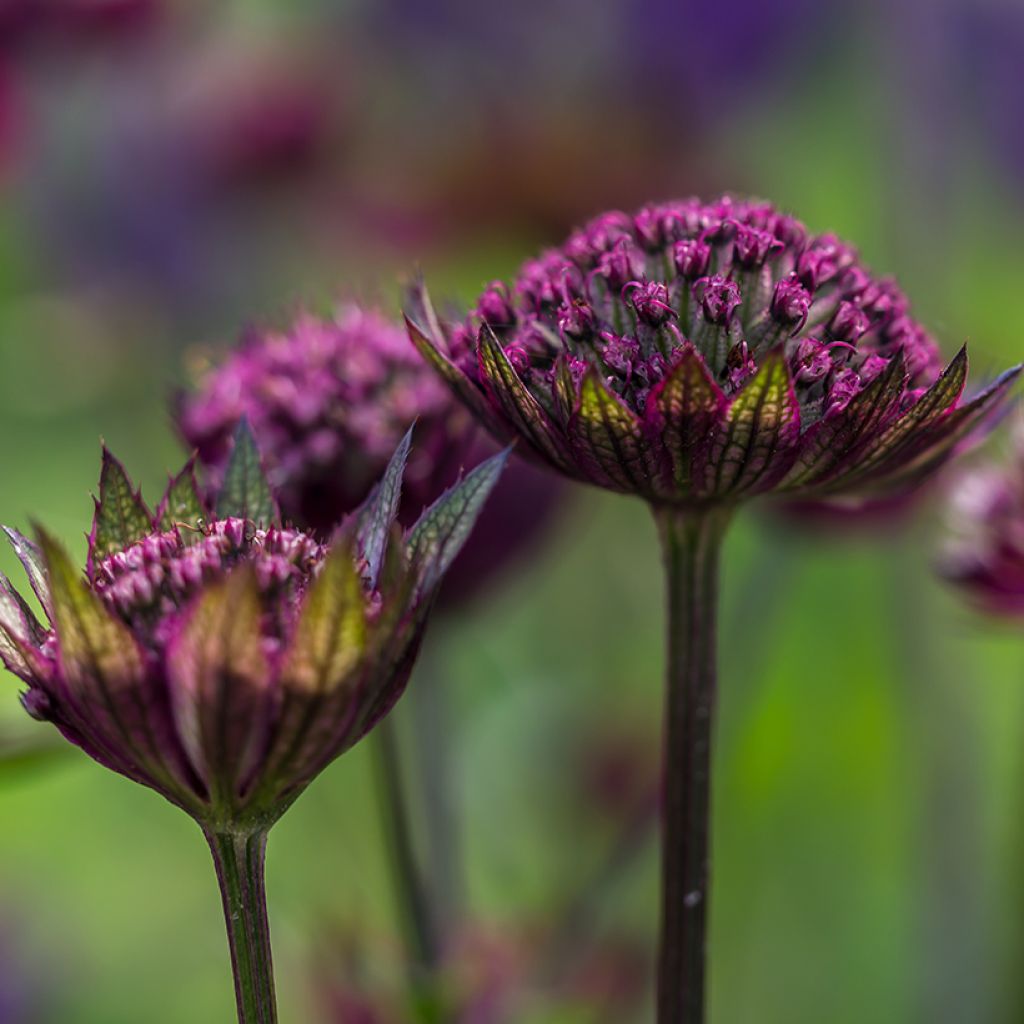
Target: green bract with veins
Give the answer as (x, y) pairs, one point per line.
(217, 655)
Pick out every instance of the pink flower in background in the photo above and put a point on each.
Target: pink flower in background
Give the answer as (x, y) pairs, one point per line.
(328, 399)
(983, 552)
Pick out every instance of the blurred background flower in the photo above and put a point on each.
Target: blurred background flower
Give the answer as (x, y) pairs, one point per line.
(169, 174)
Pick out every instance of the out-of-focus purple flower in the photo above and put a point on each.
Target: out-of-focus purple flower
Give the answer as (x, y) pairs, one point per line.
(28, 22)
(986, 42)
(676, 48)
(530, 153)
(489, 976)
(328, 400)
(718, 388)
(217, 657)
(618, 775)
(983, 553)
(189, 149)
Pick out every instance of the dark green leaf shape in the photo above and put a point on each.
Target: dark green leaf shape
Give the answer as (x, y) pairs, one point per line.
(427, 343)
(608, 437)
(121, 518)
(522, 409)
(438, 536)
(245, 493)
(181, 504)
(762, 424)
(684, 412)
(20, 633)
(378, 512)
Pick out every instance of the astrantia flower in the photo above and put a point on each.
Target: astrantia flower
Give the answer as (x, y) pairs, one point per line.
(698, 355)
(984, 550)
(708, 352)
(328, 400)
(223, 659)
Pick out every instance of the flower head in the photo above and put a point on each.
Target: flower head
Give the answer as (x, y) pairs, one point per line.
(698, 352)
(213, 654)
(329, 399)
(984, 549)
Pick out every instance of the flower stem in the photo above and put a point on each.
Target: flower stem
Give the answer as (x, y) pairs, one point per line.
(239, 858)
(691, 540)
(413, 897)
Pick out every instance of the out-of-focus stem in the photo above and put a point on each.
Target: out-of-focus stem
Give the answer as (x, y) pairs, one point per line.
(411, 891)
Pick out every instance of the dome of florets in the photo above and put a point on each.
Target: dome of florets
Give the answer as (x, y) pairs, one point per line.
(698, 351)
(735, 279)
(147, 582)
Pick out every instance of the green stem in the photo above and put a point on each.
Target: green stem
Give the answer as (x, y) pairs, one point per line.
(691, 541)
(413, 897)
(430, 712)
(239, 858)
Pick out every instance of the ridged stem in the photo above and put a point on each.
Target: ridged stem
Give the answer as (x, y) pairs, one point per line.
(239, 858)
(691, 540)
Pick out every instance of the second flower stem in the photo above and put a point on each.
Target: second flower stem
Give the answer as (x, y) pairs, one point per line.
(411, 890)
(691, 540)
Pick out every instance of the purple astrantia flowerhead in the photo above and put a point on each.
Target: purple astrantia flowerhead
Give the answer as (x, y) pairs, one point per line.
(699, 353)
(328, 400)
(217, 656)
(983, 553)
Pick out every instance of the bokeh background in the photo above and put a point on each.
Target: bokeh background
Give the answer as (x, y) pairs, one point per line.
(172, 170)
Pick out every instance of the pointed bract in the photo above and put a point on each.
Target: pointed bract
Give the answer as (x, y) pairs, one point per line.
(245, 493)
(31, 559)
(121, 517)
(683, 414)
(441, 531)
(182, 504)
(220, 685)
(761, 428)
(606, 435)
(511, 394)
(379, 512)
(20, 632)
